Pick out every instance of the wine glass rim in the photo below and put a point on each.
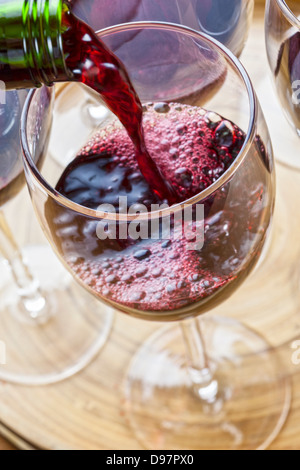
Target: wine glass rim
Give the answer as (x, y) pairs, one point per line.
(289, 14)
(199, 197)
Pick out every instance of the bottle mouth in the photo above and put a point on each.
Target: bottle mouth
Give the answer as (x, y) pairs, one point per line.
(42, 27)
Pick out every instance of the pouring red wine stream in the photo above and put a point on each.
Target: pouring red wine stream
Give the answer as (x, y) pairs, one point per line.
(93, 64)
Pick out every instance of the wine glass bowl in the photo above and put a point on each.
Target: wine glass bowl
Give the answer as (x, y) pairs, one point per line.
(173, 263)
(227, 21)
(283, 47)
(229, 255)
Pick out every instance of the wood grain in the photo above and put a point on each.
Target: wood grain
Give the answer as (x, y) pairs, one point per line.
(86, 412)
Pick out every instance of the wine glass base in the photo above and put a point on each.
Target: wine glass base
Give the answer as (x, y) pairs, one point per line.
(45, 351)
(251, 406)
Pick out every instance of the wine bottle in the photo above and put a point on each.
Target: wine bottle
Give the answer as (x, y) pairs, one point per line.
(31, 43)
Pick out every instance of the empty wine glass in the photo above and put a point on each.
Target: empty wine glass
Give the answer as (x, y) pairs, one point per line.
(44, 325)
(198, 384)
(283, 48)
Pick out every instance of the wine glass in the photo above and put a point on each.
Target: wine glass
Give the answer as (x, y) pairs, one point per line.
(39, 303)
(226, 20)
(283, 47)
(197, 384)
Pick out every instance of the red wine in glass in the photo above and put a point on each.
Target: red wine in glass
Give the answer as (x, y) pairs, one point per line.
(193, 149)
(186, 149)
(287, 75)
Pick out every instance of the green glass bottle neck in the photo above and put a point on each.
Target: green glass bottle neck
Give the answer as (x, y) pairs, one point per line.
(31, 44)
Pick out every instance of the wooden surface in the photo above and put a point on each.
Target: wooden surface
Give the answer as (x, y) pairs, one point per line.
(5, 445)
(86, 411)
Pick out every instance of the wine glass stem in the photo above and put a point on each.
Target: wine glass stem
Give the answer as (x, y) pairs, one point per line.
(205, 386)
(32, 301)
